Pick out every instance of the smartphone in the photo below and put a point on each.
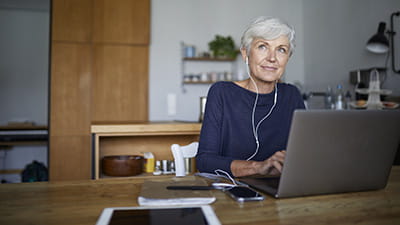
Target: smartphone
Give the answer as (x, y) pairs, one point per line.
(242, 194)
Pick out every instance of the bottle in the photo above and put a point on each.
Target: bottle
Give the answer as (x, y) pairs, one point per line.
(347, 100)
(148, 165)
(329, 98)
(203, 101)
(157, 169)
(374, 99)
(360, 85)
(339, 98)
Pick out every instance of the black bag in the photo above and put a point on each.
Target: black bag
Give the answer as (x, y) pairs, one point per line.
(35, 171)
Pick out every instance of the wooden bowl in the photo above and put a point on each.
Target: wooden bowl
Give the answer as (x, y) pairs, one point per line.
(122, 165)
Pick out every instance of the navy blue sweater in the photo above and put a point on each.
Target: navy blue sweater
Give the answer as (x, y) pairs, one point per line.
(227, 132)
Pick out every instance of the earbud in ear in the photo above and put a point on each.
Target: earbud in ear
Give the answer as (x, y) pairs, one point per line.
(247, 60)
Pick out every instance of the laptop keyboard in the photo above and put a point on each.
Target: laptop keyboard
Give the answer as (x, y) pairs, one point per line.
(270, 181)
(265, 184)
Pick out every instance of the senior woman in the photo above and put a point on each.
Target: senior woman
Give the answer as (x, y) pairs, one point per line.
(246, 123)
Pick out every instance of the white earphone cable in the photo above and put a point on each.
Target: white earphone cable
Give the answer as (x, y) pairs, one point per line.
(255, 128)
(218, 171)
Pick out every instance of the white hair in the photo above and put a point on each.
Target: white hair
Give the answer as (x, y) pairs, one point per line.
(267, 28)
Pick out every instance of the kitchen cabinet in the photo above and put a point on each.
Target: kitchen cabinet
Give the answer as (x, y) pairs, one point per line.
(69, 132)
(120, 84)
(135, 139)
(121, 34)
(71, 20)
(99, 73)
(122, 22)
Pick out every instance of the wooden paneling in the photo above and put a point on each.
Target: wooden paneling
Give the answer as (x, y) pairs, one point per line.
(70, 90)
(120, 84)
(70, 140)
(70, 158)
(99, 72)
(72, 20)
(122, 21)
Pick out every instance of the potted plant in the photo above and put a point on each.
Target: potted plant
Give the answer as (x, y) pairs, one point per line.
(223, 47)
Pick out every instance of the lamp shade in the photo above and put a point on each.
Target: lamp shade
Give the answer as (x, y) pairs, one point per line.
(379, 43)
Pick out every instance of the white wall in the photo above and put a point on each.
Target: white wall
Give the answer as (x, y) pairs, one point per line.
(24, 64)
(335, 36)
(331, 37)
(197, 22)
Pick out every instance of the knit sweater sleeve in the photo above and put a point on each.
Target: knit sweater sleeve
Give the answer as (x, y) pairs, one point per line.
(209, 158)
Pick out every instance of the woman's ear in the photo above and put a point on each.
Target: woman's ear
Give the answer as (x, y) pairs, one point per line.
(244, 54)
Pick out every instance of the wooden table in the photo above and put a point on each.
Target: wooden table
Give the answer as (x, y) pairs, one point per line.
(81, 202)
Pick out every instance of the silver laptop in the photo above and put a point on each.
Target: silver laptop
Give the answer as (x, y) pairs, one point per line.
(334, 152)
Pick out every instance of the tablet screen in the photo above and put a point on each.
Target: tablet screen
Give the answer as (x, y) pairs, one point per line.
(176, 216)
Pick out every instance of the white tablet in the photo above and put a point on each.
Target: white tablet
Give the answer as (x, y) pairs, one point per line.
(177, 215)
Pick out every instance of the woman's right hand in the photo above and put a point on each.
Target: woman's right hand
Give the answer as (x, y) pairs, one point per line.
(273, 165)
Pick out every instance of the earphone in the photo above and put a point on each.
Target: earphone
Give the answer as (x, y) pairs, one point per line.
(255, 128)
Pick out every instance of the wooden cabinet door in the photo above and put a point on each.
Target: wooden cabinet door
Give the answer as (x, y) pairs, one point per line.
(72, 20)
(70, 89)
(120, 84)
(122, 21)
(70, 146)
(70, 158)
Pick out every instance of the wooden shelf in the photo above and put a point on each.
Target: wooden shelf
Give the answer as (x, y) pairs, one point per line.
(143, 175)
(146, 129)
(135, 139)
(22, 143)
(15, 171)
(206, 76)
(199, 82)
(202, 82)
(23, 127)
(20, 134)
(209, 59)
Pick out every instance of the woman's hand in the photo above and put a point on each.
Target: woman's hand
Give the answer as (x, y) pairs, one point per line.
(271, 166)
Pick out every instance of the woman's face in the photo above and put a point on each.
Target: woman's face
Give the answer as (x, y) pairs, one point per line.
(268, 58)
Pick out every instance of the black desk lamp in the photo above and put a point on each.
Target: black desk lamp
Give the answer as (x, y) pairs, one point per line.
(379, 43)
